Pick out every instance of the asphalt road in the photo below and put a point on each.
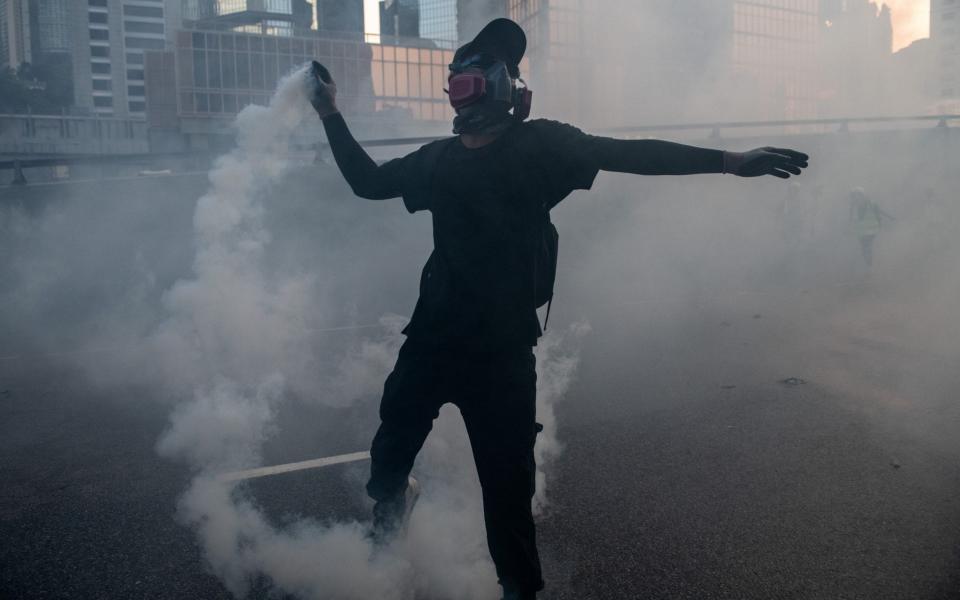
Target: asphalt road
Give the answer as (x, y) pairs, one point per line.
(690, 470)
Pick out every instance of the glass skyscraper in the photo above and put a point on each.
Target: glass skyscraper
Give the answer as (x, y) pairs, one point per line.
(14, 33)
(696, 59)
(50, 30)
(269, 17)
(340, 16)
(438, 20)
(945, 33)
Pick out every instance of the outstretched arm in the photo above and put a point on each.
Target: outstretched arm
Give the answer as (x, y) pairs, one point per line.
(657, 157)
(366, 178)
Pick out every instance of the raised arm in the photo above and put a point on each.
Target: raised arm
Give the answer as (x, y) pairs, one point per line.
(657, 157)
(366, 178)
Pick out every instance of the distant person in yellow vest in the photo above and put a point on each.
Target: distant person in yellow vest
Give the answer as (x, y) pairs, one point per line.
(866, 220)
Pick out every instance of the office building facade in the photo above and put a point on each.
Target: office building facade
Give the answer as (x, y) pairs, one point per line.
(50, 26)
(266, 17)
(118, 34)
(775, 56)
(856, 61)
(400, 18)
(32, 30)
(617, 63)
(217, 73)
(335, 17)
(438, 20)
(15, 45)
(945, 34)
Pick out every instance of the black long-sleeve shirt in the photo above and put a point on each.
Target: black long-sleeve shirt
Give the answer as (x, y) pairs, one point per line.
(476, 289)
(640, 157)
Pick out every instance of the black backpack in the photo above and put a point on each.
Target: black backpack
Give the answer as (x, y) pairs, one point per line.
(545, 264)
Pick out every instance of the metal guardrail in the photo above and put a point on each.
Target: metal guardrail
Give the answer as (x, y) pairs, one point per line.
(715, 128)
(842, 123)
(66, 135)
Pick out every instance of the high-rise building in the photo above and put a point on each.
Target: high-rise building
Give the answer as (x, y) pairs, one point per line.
(400, 18)
(32, 30)
(144, 28)
(196, 10)
(775, 56)
(340, 16)
(623, 63)
(945, 34)
(218, 73)
(855, 59)
(472, 15)
(49, 25)
(118, 34)
(100, 58)
(15, 47)
(914, 81)
(267, 17)
(438, 20)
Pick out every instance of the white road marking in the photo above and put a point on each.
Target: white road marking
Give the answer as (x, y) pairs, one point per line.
(124, 347)
(316, 463)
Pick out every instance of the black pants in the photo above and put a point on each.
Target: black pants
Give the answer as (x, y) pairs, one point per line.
(496, 394)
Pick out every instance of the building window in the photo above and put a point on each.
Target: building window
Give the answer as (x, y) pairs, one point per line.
(101, 85)
(143, 11)
(100, 68)
(137, 106)
(143, 43)
(100, 51)
(97, 17)
(102, 3)
(103, 101)
(140, 27)
(135, 90)
(99, 34)
(135, 74)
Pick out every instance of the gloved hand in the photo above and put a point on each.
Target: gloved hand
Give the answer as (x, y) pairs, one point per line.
(779, 162)
(322, 90)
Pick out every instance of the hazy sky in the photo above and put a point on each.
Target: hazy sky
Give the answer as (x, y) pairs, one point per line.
(911, 21)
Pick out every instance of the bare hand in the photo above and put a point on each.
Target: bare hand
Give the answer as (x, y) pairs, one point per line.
(322, 90)
(779, 162)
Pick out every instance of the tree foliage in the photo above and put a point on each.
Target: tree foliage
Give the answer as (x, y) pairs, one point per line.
(43, 87)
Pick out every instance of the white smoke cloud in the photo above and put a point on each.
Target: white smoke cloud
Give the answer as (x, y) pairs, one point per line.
(557, 360)
(234, 318)
(222, 429)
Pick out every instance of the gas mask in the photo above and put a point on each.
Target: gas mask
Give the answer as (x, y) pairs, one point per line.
(483, 92)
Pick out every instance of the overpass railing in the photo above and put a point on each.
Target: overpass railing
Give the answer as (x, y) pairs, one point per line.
(137, 152)
(63, 135)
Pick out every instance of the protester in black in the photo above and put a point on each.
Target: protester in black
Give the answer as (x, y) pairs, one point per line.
(471, 335)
